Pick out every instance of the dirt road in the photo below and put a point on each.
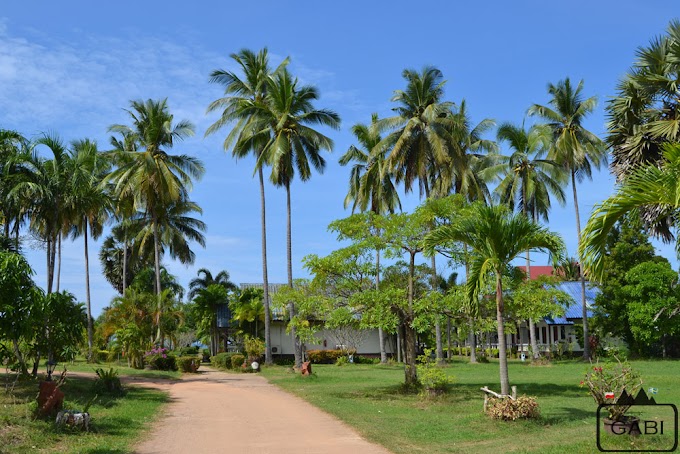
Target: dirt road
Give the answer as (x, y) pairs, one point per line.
(217, 412)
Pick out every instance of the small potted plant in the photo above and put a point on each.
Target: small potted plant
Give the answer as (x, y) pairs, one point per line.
(606, 384)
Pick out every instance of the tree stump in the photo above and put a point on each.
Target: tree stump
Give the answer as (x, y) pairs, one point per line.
(306, 368)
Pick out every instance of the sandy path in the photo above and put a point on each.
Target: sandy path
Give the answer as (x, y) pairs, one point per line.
(217, 412)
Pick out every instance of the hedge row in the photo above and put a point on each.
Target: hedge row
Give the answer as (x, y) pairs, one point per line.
(227, 360)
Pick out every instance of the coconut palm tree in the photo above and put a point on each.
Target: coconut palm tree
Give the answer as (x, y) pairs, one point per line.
(370, 187)
(124, 204)
(120, 260)
(287, 117)
(645, 112)
(496, 236)
(175, 227)
(527, 181)
(419, 145)
(576, 149)
(647, 186)
(88, 206)
(153, 177)
(239, 92)
(420, 132)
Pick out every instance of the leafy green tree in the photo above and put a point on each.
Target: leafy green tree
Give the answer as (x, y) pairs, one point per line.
(653, 303)
(496, 237)
(536, 299)
(18, 298)
(154, 178)
(627, 247)
(64, 320)
(576, 149)
(287, 117)
(404, 237)
(247, 310)
(239, 93)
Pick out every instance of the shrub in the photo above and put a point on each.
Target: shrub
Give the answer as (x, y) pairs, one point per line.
(159, 359)
(108, 382)
(524, 407)
(188, 364)
(237, 360)
(325, 356)
(254, 348)
(431, 376)
(206, 354)
(221, 361)
(342, 361)
(188, 351)
(365, 360)
(100, 355)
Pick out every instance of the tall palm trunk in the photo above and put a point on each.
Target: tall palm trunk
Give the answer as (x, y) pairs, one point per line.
(535, 353)
(58, 262)
(381, 333)
(471, 321)
(410, 372)
(53, 257)
(289, 256)
(502, 350)
(157, 264)
(584, 308)
(48, 254)
(87, 297)
(124, 259)
(268, 360)
(437, 323)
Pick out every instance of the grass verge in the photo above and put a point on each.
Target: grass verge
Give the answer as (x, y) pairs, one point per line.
(117, 422)
(368, 398)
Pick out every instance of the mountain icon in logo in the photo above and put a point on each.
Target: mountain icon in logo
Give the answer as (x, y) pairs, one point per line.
(640, 399)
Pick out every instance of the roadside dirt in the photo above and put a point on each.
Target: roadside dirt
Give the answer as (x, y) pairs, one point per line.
(217, 412)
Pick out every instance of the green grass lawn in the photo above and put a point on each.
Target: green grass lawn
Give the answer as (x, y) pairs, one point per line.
(117, 422)
(367, 397)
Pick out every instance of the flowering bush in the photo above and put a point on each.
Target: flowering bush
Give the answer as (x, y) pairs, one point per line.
(158, 358)
(612, 378)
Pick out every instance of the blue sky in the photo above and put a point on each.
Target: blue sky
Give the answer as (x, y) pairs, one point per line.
(72, 67)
